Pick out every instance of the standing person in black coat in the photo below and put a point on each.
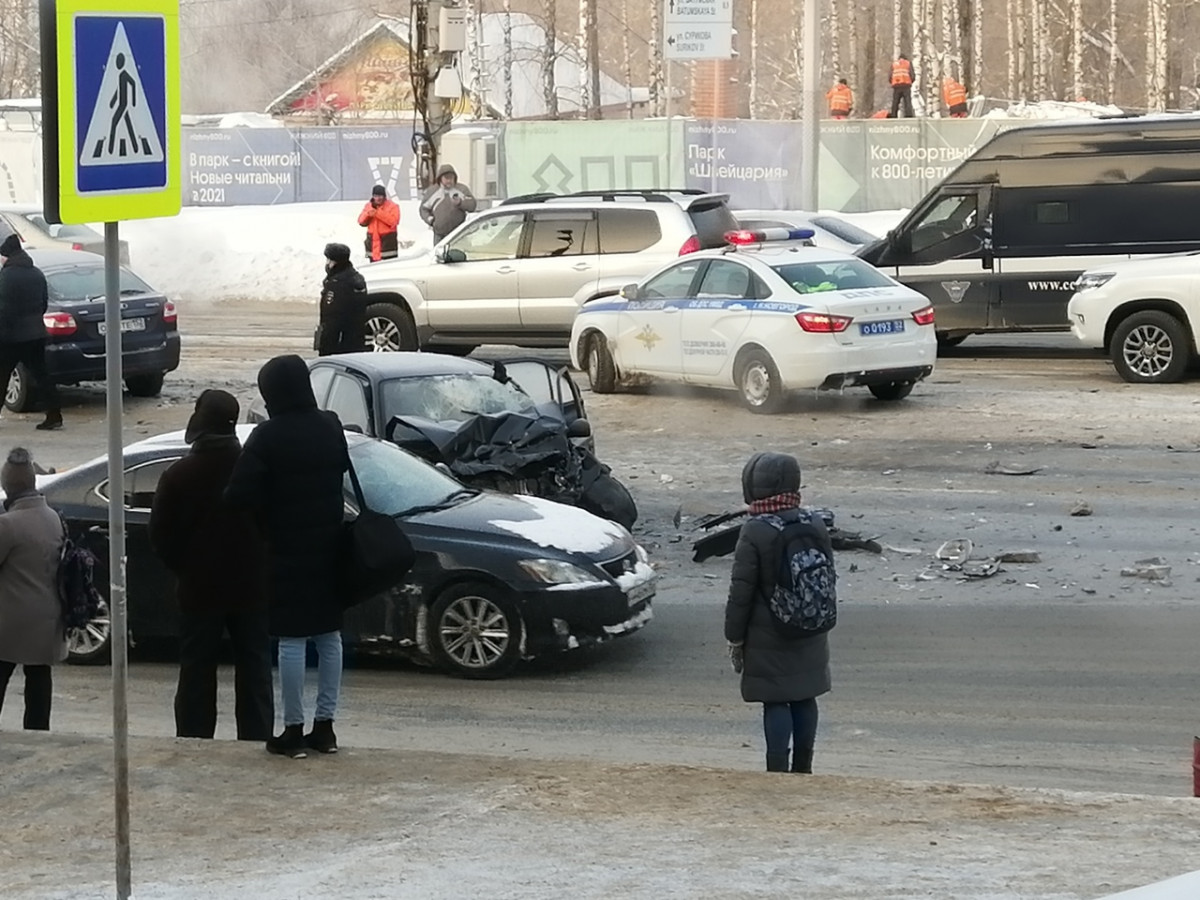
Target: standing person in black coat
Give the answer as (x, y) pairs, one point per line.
(342, 325)
(23, 300)
(782, 672)
(290, 474)
(216, 555)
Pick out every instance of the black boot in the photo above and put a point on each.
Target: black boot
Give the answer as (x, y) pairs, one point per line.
(53, 421)
(321, 738)
(802, 760)
(290, 743)
(777, 762)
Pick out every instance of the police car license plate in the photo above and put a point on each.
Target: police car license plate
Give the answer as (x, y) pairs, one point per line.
(891, 326)
(126, 325)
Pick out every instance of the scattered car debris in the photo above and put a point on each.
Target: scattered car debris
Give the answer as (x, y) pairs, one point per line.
(1019, 556)
(1154, 568)
(982, 568)
(957, 551)
(1081, 508)
(995, 467)
(722, 542)
(1173, 449)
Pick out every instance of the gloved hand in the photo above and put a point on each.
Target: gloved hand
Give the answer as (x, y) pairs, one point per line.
(737, 656)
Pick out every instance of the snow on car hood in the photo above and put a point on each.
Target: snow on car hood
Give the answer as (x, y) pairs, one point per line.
(563, 527)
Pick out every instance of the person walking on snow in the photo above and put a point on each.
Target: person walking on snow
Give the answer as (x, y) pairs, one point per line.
(840, 99)
(901, 80)
(216, 555)
(342, 322)
(446, 204)
(290, 474)
(31, 621)
(783, 672)
(381, 217)
(23, 300)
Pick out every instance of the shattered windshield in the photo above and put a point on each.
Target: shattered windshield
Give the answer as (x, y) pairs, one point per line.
(834, 275)
(451, 398)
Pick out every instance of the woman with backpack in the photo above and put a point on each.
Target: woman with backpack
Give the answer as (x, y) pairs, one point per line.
(784, 665)
(31, 616)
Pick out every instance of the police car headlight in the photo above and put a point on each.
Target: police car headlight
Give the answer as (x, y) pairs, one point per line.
(1093, 280)
(557, 571)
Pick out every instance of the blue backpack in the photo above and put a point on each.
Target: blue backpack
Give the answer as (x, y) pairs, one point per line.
(804, 600)
(81, 600)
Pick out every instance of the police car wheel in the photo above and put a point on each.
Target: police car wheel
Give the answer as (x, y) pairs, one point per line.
(1151, 347)
(602, 372)
(893, 390)
(950, 340)
(759, 384)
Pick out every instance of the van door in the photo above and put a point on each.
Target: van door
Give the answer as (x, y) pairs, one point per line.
(944, 250)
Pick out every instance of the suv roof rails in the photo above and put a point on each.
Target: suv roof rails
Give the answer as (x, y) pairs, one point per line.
(650, 195)
(527, 198)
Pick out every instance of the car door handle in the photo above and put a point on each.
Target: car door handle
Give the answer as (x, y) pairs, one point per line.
(737, 307)
(581, 267)
(669, 310)
(98, 529)
(505, 270)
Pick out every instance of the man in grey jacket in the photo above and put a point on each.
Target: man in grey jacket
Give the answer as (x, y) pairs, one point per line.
(446, 204)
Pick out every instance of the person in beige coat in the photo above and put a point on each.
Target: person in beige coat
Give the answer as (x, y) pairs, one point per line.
(31, 622)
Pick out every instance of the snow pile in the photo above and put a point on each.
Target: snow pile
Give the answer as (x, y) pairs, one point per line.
(1055, 109)
(253, 252)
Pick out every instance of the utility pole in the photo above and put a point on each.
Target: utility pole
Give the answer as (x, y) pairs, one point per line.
(810, 117)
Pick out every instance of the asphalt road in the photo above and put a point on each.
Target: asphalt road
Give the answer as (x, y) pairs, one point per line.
(1057, 674)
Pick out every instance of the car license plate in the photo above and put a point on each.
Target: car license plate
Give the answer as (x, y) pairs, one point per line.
(640, 592)
(891, 326)
(126, 325)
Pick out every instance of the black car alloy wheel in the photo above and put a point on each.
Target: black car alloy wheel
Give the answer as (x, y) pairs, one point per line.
(90, 644)
(475, 631)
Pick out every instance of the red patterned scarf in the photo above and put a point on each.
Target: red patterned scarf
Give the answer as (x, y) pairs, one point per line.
(776, 503)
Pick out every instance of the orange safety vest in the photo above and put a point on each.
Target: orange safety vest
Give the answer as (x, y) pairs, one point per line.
(902, 72)
(954, 93)
(841, 100)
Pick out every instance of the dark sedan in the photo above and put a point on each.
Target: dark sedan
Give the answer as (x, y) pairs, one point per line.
(498, 577)
(75, 328)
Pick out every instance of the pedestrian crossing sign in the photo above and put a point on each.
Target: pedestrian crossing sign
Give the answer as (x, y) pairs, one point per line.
(111, 109)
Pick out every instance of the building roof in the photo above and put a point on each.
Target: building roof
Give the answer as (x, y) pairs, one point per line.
(528, 42)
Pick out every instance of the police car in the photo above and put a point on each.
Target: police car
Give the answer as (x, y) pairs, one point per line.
(766, 315)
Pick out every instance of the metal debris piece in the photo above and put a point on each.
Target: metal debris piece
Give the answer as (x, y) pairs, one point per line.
(1154, 568)
(1019, 556)
(995, 467)
(955, 551)
(1081, 508)
(904, 551)
(982, 568)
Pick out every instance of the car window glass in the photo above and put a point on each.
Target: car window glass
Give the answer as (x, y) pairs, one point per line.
(711, 222)
(673, 284)
(562, 234)
(543, 382)
(140, 483)
(348, 399)
(320, 378)
(628, 230)
(725, 279)
(87, 283)
(491, 237)
(832, 275)
(60, 231)
(393, 481)
(951, 215)
(451, 398)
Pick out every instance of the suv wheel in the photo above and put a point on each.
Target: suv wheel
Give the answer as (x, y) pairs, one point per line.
(892, 390)
(19, 396)
(390, 328)
(1150, 347)
(759, 384)
(602, 372)
(147, 385)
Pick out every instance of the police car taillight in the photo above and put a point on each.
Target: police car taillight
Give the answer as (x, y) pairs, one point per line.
(764, 235)
(822, 323)
(924, 316)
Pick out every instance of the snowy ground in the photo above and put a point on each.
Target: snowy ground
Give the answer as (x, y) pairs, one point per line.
(275, 252)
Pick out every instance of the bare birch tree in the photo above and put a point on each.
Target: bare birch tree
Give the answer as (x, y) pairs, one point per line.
(508, 59)
(977, 46)
(834, 43)
(1112, 51)
(1038, 17)
(657, 89)
(550, 57)
(585, 78)
(850, 70)
(1012, 35)
(626, 58)
(897, 27)
(951, 41)
(1156, 56)
(1076, 49)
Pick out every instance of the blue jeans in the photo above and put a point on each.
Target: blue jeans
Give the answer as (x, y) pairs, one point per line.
(292, 652)
(795, 722)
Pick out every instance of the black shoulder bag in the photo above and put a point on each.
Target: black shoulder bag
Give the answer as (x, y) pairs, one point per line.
(377, 552)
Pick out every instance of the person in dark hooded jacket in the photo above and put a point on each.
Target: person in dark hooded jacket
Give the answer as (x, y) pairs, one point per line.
(782, 672)
(291, 474)
(343, 311)
(23, 300)
(446, 204)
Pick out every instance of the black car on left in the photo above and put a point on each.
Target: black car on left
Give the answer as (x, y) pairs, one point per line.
(498, 577)
(75, 328)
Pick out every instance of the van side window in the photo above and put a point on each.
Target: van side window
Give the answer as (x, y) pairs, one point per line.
(951, 215)
(1053, 212)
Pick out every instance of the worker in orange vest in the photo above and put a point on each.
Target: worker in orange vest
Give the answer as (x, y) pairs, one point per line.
(955, 96)
(840, 99)
(902, 81)
(380, 216)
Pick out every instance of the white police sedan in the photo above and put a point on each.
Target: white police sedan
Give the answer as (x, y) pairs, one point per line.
(764, 316)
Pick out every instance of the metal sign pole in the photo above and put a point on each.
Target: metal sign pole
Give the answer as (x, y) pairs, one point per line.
(670, 168)
(116, 554)
(810, 126)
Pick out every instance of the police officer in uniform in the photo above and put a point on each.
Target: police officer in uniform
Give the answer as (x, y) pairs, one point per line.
(343, 312)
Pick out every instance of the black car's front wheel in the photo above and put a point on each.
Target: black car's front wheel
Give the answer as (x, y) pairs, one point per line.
(90, 645)
(19, 395)
(475, 631)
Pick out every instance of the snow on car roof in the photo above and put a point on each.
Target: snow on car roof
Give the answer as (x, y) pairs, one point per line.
(564, 527)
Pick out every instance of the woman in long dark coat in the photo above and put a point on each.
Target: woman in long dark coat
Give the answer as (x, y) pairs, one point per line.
(782, 672)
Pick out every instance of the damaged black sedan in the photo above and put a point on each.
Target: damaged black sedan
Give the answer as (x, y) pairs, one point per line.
(497, 578)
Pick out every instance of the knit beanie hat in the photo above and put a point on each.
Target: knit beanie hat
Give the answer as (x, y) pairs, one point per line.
(338, 253)
(11, 245)
(17, 476)
(216, 413)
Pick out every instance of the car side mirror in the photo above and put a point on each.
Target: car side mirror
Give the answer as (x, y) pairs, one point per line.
(580, 428)
(630, 291)
(453, 255)
(900, 242)
(55, 231)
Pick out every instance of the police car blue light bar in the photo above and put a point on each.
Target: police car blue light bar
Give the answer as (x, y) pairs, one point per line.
(764, 235)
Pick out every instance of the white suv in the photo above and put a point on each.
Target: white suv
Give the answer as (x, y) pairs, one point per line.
(518, 273)
(1144, 313)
